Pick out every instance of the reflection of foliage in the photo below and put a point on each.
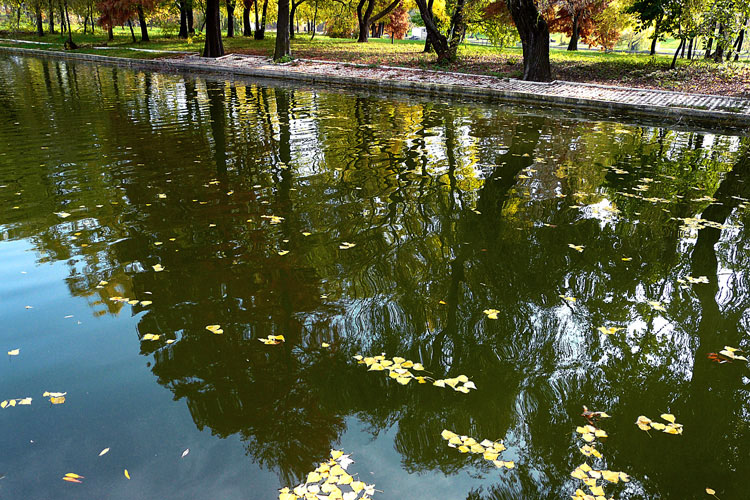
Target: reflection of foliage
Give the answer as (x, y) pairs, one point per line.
(454, 209)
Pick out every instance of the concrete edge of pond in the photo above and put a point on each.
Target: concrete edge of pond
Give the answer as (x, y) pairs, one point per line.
(666, 114)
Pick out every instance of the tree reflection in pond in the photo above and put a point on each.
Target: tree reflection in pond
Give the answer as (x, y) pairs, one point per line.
(454, 208)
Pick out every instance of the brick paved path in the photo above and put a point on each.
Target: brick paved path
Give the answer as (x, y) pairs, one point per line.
(567, 90)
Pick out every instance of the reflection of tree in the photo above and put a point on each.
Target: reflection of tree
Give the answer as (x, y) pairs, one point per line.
(466, 205)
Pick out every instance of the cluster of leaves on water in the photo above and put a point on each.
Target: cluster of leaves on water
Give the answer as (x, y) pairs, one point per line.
(399, 369)
(330, 481)
(132, 302)
(587, 474)
(671, 427)
(490, 450)
(72, 477)
(727, 355)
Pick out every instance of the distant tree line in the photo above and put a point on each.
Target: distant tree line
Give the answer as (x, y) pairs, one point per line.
(711, 29)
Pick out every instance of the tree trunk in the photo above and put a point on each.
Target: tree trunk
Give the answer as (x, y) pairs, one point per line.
(110, 34)
(213, 47)
(437, 40)
(690, 49)
(291, 18)
(189, 16)
(85, 24)
(230, 18)
(709, 45)
(62, 17)
(183, 20)
(457, 32)
(246, 29)
(39, 21)
(719, 54)
(428, 42)
(314, 21)
(534, 34)
(740, 41)
(70, 31)
(142, 22)
(657, 27)
(282, 32)
(132, 33)
(677, 53)
(260, 29)
(363, 19)
(51, 18)
(573, 45)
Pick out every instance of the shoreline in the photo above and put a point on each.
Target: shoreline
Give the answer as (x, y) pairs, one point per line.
(671, 108)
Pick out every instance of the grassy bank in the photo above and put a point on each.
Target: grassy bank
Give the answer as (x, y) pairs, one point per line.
(637, 70)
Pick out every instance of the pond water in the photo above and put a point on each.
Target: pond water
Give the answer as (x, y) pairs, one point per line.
(613, 256)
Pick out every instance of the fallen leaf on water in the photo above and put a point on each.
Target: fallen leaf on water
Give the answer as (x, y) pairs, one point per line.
(728, 351)
(185, 453)
(577, 248)
(57, 400)
(215, 329)
(150, 336)
(609, 331)
(127, 474)
(568, 298)
(104, 452)
(283, 252)
(656, 305)
(158, 268)
(491, 313)
(71, 479)
(273, 339)
(345, 245)
(14, 352)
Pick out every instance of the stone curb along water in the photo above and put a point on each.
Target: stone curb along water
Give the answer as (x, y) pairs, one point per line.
(711, 118)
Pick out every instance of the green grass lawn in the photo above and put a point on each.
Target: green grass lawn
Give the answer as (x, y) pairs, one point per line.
(616, 68)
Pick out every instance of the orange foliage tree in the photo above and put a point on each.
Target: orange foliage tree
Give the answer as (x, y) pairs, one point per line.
(398, 24)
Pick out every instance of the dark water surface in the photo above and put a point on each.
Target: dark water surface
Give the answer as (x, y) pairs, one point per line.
(453, 209)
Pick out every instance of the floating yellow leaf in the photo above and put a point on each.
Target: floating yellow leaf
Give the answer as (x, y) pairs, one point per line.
(104, 452)
(283, 252)
(656, 305)
(158, 268)
(491, 313)
(577, 248)
(346, 245)
(215, 329)
(668, 417)
(14, 352)
(127, 474)
(57, 400)
(597, 490)
(609, 331)
(568, 298)
(710, 491)
(611, 476)
(273, 339)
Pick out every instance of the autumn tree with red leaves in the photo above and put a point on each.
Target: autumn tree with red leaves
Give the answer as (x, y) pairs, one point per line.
(575, 18)
(119, 12)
